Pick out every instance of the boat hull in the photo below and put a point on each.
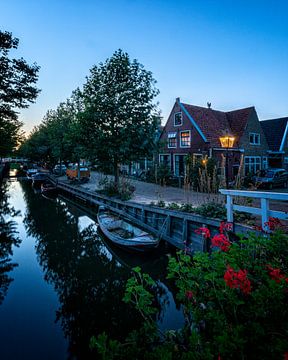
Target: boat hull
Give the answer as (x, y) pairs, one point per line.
(141, 242)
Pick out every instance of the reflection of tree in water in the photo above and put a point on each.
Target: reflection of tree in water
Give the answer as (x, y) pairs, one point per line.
(89, 281)
(8, 238)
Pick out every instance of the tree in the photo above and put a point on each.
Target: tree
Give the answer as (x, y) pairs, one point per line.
(17, 90)
(119, 121)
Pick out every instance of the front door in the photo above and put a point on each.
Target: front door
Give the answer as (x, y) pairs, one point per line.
(179, 165)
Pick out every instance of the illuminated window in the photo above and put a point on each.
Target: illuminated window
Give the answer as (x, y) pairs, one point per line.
(172, 140)
(178, 119)
(185, 140)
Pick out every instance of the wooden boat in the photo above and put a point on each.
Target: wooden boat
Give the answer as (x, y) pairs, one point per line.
(124, 234)
(48, 187)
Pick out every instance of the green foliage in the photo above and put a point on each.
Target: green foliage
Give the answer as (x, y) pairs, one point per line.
(222, 318)
(202, 175)
(124, 189)
(17, 90)
(212, 210)
(163, 174)
(119, 121)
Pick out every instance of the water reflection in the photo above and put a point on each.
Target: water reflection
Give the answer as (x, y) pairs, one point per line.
(88, 274)
(8, 238)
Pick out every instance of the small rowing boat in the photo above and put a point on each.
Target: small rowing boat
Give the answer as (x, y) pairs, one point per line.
(124, 234)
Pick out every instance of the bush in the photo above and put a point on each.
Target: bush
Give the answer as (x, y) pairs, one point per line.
(234, 300)
(124, 190)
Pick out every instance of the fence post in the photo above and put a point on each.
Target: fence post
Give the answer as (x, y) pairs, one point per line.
(264, 212)
(229, 207)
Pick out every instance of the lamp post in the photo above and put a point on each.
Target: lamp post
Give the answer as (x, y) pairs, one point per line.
(227, 142)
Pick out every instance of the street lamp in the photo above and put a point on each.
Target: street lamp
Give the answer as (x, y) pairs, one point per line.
(227, 142)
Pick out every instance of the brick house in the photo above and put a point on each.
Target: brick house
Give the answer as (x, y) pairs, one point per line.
(276, 132)
(196, 131)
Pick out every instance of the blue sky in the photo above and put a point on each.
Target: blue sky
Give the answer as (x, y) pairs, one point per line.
(233, 54)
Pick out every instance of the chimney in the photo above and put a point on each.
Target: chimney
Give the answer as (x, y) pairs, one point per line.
(209, 105)
(178, 100)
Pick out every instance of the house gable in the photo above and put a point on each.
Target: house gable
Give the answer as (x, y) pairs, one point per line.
(188, 125)
(253, 139)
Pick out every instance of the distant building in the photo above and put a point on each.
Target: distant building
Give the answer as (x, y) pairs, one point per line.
(276, 132)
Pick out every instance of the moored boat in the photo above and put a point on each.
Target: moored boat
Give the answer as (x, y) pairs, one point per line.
(124, 234)
(48, 187)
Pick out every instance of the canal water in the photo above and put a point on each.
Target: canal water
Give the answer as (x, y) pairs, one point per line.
(61, 282)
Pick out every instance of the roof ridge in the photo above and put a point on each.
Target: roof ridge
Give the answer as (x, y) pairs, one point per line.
(224, 112)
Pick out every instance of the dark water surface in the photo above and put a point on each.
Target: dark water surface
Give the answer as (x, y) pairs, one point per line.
(65, 283)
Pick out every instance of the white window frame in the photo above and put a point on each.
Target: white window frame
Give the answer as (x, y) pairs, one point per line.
(174, 162)
(250, 164)
(265, 162)
(185, 146)
(179, 112)
(254, 138)
(172, 137)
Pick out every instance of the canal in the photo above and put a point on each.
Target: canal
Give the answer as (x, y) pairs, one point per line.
(61, 282)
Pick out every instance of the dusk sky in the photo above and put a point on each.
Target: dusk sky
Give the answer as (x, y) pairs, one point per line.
(233, 54)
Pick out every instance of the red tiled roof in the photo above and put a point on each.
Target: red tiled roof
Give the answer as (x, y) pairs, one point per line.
(215, 123)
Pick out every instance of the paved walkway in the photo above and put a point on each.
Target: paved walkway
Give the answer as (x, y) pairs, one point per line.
(146, 193)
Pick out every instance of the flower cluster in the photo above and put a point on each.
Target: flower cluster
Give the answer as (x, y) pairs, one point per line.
(189, 294)
(225, 226)
(221, 241)
(275, 274)
(237, 280)
(272, 224)
(203, 231)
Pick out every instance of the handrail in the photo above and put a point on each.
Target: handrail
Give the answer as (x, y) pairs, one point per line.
(264, 211)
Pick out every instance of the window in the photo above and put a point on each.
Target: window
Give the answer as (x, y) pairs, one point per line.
(172, 140)
(285, 160)
(254, 138)
(178, 119)
(164, 159)
(264, 162)
(185, 140)
(179, 165)
(252, 164)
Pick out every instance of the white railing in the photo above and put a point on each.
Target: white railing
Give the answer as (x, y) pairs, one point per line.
(264, 211)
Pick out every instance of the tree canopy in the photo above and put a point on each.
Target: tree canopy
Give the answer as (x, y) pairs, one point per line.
(120, 120)
(17, 91)
(113, 119)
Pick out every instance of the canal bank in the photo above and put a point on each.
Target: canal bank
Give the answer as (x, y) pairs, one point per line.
(175, 227)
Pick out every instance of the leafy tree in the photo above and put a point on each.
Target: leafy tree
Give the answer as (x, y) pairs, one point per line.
(120, 120)
(17, 90)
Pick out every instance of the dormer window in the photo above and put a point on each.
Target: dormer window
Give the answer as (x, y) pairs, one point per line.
(254, 138)
(178, 119)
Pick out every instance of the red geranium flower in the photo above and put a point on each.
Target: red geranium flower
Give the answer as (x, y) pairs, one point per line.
(189, 294)
(275, 274)
(225, 226)
(221, 241)
(203, 231)
(237, 280)
(273, 223)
